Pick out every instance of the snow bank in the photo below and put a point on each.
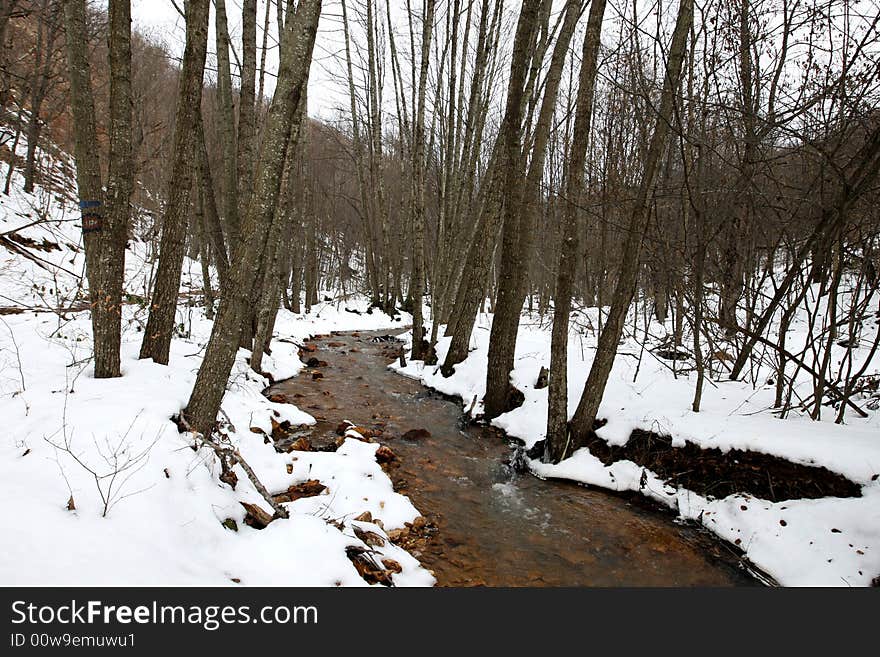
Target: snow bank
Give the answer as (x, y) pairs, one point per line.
(829, 541)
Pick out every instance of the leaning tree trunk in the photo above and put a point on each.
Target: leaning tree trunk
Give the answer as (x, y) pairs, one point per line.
(163, 306)
(585, 415)
(557, 441)
(297, 43)
(268, 291)
(516, 240)
(501, 178)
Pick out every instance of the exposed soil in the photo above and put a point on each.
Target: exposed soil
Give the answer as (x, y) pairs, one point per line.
(44, 245)
(485, 523)
(713, 473)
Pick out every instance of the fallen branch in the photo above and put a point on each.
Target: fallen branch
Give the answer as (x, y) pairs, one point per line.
(229, 454)
(800, 363)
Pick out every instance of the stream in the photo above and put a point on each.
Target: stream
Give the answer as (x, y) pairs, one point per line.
(497, 527)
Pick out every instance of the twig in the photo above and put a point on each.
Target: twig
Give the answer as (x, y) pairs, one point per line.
(17, 353)
(231, 455)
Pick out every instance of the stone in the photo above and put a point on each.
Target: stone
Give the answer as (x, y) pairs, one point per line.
(416, 434)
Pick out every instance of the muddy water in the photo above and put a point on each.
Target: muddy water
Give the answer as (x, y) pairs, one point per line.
(497, 527)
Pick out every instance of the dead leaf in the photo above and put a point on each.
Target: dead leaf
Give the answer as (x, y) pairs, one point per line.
(308, 488)
(392, 565)
(256, 517)
(370, 538)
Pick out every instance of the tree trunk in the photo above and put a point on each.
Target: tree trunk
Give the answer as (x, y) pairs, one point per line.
(517, 231)
(97, 237)
(267, 293)
(39, 87)
(246, 114)
(226, 119)
(585, 415)
(557, 441)
(418, 189)
(213, 227)
(297, 43)
(120, 183)
(501, 178)
(204, 255)
(163, 305)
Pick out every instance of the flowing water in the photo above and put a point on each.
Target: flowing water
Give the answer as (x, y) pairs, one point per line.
(497, 527)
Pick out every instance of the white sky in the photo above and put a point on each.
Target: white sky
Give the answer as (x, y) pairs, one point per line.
(160, 19)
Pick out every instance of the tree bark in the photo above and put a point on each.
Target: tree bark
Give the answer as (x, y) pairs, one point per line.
(557, 441)
(418, 189)
(213, 227)
(246, 113)
(585, 415)
(296, 54)
(163, 305)
(97, 236)
(517, 231)
(120, 183)
(227, 123)
(47, 30)
(500, 178)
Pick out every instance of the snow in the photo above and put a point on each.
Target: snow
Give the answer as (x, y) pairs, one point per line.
(165, 509)
(159, 520)
(802, 552)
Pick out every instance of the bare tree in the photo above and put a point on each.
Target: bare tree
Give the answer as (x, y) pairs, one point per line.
(627, 278)
(296, 54)
(102, 247)
(557, 439)
(163, 304)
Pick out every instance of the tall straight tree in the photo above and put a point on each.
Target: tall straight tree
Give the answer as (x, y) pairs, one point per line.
(501, 181)
(628, 274)
(227, 122)
(104, 253)
(247, 134)
(418, 186)
(297, 44)
(557, 398)
(246, 114)
(120, 182)
(163, 305)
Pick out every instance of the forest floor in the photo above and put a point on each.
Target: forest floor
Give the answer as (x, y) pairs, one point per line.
(102, 488)
(800, 498)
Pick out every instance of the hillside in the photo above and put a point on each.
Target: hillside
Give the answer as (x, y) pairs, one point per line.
(106, 489)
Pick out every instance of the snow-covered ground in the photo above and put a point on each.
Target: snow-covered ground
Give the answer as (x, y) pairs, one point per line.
(827, 541)
(160, 519)
(100, 487)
